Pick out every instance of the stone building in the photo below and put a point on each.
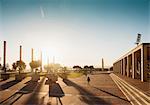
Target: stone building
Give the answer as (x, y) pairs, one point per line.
(136, 63)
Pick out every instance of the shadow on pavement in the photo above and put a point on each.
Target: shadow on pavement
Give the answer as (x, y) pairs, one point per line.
(2, 80)
(13, 98)
(8, 84)
(34, 98)
(111, 94)
(86, 96)
(55, 90)
(29, 87)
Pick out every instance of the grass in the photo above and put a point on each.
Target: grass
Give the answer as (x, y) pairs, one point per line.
(74, 75)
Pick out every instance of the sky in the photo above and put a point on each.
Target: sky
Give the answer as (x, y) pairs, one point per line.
(75, 32)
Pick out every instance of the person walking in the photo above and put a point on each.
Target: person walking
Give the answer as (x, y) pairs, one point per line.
(88, 80)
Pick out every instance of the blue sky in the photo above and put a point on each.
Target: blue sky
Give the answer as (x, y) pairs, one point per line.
(74, 31)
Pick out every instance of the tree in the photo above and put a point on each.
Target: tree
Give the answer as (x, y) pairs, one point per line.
(91, 68)
(35, 64)
(64, 69)
(14, 66)
(7, 66)
(77, 68)
(1, 66)
(19, 65)
(86, 67)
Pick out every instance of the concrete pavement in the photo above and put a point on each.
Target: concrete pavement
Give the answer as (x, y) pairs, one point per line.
(135, 96)
(102, 90)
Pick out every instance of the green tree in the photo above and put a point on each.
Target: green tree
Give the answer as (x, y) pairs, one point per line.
(91, 68)
(35, 64)
(77, 68)
(19, 65)
(14, 66)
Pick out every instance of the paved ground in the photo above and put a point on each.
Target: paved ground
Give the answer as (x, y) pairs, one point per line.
(142, 86)
(102, 90)
(133, 94)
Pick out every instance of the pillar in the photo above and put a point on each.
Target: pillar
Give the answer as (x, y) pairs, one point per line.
(102, 64)
(136, 65)
(32, 54)
(133, 66)
(123, 66)
(145, 62)
(20, 53)
(142, 65)
(128, 66)
(41, 61)
(4, 57)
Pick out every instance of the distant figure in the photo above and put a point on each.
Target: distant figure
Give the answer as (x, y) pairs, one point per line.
(88, 80)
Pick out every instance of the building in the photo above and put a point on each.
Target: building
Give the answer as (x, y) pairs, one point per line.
(135, 63)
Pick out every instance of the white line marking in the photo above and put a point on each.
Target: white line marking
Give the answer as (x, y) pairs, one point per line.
(123, 91)
(136, 93)
(145, 96)
(128, 93)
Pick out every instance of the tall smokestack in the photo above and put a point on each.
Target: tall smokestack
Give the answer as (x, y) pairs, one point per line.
(32, 54)
(20, 53)
(4, 57)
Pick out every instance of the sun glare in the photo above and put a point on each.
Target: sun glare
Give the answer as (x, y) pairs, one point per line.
(51, 54)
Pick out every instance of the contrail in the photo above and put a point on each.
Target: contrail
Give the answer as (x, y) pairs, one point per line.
(42, 12)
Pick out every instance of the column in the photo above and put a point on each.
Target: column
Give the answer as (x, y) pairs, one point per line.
(4, 57)
(20, 53)
(142, 65)
(32, 54)
(128, 66)
(41, 62)
(133, 66)
(145, 63)
(120, 64)
(123, 66)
